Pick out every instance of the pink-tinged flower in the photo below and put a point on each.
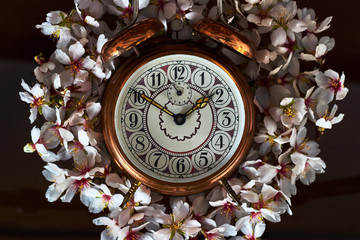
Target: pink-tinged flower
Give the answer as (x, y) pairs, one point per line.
(58, 27)
(38, 98)
(38, 145)
(332, 84)
(177, 225)
(199, 209)
(271, 138)
(225, 210)
(125, 10)
(99, 197)
(77, 67)
(313, 166)
(259, 12)
(55, 132)
(265, 202)
(291, 111)
(57, 176)
(253, 232)
(93, 7)
(219, 233)
(86, 18)
(161, 9)
(112, 230)
(325, 118)
(315, 49)
(283, 21)
(308, 16)
(79, 179)
(301, 149)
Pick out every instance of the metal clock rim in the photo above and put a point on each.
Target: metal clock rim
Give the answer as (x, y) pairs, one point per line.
(117, 82)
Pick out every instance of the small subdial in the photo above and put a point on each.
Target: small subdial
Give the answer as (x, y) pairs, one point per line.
(179, 93)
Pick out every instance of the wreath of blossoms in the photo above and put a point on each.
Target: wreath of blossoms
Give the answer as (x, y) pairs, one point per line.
(291, 93)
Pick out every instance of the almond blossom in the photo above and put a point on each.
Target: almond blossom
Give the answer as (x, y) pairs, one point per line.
(291, 111)
(98, 198)
(284, 20)
(177, 225)
(332, 84)
(76, 67)
(70, 85)
(38, 98)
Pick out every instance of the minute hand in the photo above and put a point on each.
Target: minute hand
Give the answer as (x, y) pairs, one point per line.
(156, 104)
(200, 103)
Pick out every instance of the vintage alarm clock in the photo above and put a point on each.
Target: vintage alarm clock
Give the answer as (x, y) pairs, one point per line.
(178, 116)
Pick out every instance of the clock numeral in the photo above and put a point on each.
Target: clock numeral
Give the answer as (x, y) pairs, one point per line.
(220, 142)
(220, 96)
(180, 165)
(139, 143)
(133, 120)
(203, 159)
(157, 160)
(155, 80)
(179, 72)
(203, 79)
(226, 118)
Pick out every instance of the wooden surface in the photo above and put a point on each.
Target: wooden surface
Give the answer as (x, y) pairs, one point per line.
(327, 209)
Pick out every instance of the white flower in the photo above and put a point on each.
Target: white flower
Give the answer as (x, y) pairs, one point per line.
(219, 233)
(315, 48)
(259, 13)
(302, 149)
(94, 7)
(55, 132)
(264, 203)
(57, 26)
(77, 67)
(38, 145)
(162, 9)
(252, 232)
(178, 224)
(56, 175)
(308, 16)
(99, 197)
(291, 111)
(332, 84)
(270, 137)
(326, 118)
(225, 210)
(313, 166)
(125, 10)
(37, 97)
(284, 21)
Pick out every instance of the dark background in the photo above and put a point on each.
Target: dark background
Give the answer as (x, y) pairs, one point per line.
(327, 209)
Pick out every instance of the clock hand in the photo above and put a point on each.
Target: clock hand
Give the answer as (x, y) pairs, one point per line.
(178, 91)
(156, 104)
(200, 103)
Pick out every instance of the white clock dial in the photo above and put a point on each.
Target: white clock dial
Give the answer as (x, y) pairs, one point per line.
(179, 118)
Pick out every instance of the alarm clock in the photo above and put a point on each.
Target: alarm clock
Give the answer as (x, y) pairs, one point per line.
(178, 116)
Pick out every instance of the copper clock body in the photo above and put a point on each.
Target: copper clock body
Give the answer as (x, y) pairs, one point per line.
(125, 161)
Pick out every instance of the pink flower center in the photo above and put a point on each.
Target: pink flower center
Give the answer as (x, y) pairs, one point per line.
(335, 84)
(37, 102)
(75, 66)
(228, 209)
(106, 198)
(82, 183)
(132, 236)
(127, 12)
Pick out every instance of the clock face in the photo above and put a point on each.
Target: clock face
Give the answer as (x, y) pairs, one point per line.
(179, 119)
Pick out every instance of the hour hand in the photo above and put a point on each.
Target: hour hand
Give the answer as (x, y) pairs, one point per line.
(156, 104)
(200, 103)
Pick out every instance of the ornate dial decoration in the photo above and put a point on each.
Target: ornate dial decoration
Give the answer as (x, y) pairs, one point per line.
(179, 118)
